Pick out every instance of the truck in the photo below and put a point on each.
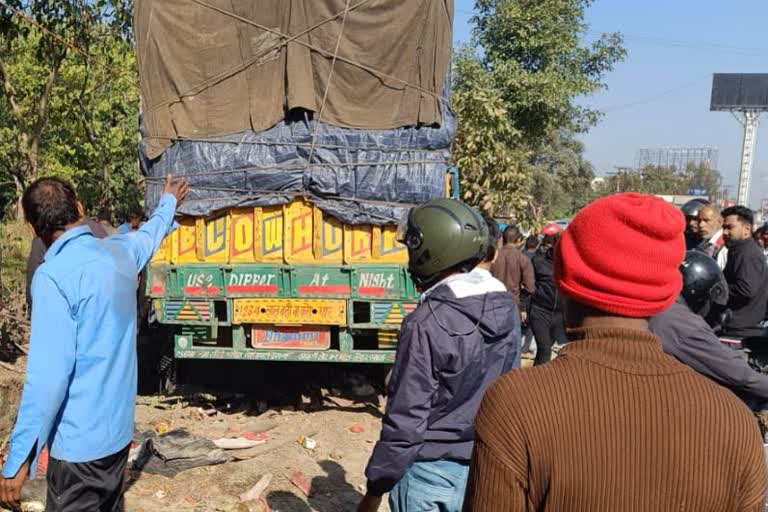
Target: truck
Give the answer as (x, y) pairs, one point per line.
(306, 129)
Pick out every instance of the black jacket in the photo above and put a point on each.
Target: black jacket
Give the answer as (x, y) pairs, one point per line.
(449, 351)
(687, 337)
(547, 295)
(746, 273)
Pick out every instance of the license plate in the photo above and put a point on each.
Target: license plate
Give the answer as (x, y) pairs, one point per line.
(290, 311)
(290, 338)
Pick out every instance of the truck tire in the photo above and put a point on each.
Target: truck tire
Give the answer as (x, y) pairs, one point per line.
(166, 372)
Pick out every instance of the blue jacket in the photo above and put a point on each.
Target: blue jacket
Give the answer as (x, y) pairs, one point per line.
(80, 388)
(464, 335)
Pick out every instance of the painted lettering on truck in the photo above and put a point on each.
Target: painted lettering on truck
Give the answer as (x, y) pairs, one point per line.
(200, 283)
(322, 283)
(253, 282)
(378, 283)
(295, 233)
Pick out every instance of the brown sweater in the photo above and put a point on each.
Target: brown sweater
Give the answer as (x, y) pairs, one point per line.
(514, 269)
(614, 424)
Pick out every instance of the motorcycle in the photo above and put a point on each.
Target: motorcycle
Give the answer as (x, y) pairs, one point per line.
(755, 351)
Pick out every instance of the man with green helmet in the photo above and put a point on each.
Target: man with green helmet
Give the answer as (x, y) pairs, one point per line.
(463, 335)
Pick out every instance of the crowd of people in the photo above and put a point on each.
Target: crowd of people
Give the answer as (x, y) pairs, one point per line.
(709, 230)
(645, 407)
(730, 238)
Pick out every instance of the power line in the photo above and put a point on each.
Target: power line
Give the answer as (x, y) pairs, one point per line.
(691, 45)
(657, 96)
(51, 33)
(66, 42)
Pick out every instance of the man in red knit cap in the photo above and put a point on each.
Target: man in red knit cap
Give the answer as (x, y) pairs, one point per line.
(614, 423)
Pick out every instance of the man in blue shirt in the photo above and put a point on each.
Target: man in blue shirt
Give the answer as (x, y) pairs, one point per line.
(80, 386)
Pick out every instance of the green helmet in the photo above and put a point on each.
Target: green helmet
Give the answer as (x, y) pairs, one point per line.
(442, 235)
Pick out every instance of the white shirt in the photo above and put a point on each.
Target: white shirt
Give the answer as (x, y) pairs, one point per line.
(721, 253)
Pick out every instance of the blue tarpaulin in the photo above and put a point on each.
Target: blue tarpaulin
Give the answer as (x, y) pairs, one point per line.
(359, 176)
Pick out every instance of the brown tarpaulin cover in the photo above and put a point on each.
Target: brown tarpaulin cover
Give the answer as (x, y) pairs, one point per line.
(206, 70)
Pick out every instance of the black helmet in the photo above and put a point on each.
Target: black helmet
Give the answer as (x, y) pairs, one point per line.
(692, 207)
(441, 235)
(703, 281)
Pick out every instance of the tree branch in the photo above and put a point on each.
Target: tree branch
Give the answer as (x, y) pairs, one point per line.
(85, 117)
(16, 112)
(43, 107)
(10, 93)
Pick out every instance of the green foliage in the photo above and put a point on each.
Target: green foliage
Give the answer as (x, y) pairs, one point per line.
(71, 103)
(516, 100)
(563, 177)
(15, 243)
(654, 179)
(534, 50)
(487, 147)
(704, 178)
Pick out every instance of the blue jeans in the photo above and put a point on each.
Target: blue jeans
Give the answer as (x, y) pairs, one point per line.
(437, 486)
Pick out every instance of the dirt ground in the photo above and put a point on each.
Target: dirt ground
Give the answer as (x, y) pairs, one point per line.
(11, 384)
(277, 404)
(334, 469)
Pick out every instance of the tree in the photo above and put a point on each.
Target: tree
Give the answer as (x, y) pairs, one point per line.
(534, 49)
(662, 180)
(531, 65)
(568, 184)
(702, 177)
(49, 55)
(548, 195)
(487, 148)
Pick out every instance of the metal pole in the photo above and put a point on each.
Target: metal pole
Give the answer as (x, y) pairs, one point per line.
(750, 122)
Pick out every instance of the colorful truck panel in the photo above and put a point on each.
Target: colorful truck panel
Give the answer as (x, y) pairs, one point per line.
(297, 233)
(282, 279)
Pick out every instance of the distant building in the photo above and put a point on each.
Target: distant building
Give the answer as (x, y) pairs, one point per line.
(678, 157)
(597, 182)
(679, 200)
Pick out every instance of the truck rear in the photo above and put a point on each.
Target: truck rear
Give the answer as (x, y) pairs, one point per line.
(306, 130)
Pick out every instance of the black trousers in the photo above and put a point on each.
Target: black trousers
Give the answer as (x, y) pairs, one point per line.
(548, 327)
(527, 335)
(95, 486)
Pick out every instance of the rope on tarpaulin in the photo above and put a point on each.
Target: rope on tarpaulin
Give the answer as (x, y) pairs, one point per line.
(328, 82)
(254, 193)
(286, 39)
(159, 180)
(234, 70)
(298, 167)
(293, 195)
(382, 149)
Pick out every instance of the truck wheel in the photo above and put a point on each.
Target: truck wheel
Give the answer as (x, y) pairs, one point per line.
(166, 372)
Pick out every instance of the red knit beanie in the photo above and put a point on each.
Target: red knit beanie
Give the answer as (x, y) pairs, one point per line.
(622, 254)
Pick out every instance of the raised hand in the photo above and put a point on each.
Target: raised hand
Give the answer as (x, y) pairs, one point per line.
(178, 188)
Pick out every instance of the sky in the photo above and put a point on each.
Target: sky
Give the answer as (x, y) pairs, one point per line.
(659, 95)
